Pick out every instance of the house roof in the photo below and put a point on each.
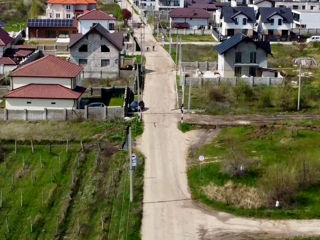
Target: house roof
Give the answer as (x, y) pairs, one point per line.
(52, 23)
(95, 15)
(5, 38)
(189, 13)
(50, 67)
(229, 13)
(45, 91)
(261, 1)
(180, 25)
(23, 52)
(73, 2)
(206, 6)
(116, 39)
(267, 13)
(232, 42)
(7, 61)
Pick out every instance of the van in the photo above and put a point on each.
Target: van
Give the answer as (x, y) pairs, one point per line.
(313, 39)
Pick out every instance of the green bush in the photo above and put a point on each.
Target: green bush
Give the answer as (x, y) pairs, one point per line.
(285, 99)
(216, 94)
(243, 91)
(265, 98)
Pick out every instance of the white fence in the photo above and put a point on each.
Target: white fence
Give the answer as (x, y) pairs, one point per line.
(183, 31)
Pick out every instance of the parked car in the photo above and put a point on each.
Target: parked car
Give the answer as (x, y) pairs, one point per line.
(134, 106)
(96, 104)
(313, 39)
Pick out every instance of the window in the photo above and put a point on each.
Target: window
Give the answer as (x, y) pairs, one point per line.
(83, 48)
(28, 102)
(303, 7)
(83, 62)
(105, 62)
(58, 15)
(104, 48)
(53, 103)
(311, 7)
(252, 71)
(238, 57)
(270, 32)
(244, 21)
(295, 7)
(237, 71)
(68, 16)
(68, 7)
(236, 21)
(279, 22)
(253, 57)
(111, 26)
(272, 21)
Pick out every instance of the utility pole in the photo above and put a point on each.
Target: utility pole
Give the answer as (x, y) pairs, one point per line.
(130, 165)
(189, 97)
(299, 89)
(169, 42)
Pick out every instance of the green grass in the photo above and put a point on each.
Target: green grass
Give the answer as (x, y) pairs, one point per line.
(283, 146)
(111, 8)
(70, 209)
(116, 101)
(185, 127)
(15, 25)
(186, 38)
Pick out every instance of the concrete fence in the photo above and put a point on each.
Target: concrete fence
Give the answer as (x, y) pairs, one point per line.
(183, 31)
(92, 113)
(303, 31)
(202, 66)
(269, 81)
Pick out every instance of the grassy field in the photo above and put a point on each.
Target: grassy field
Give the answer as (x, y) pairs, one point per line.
(277, 150)
(15, 26)
(111, 8)
(186, 38)
(68, 189)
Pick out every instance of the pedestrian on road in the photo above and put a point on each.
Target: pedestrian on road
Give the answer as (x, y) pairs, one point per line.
(153, 48)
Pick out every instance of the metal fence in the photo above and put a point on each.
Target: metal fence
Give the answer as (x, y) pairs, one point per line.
(183, 31)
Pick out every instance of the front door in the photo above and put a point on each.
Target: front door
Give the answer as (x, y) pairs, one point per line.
(230, 32)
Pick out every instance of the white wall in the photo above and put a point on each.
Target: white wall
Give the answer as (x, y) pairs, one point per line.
(310, 19)
(39, 104)
(1, 51)
(240, 18)
(6, 69)
(193, 23)
(85, 25)
(259, 5)
(221, 65)
(17, 82)
(275, 26)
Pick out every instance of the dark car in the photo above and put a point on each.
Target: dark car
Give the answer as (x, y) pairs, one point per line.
(96, 104)
(134, 106)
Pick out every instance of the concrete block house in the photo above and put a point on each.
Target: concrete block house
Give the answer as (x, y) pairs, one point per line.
(47, 83)
(189, 18)
(242, 56)
(275, 23)
(98, 51)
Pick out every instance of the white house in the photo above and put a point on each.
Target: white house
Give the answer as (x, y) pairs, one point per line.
(68, 9)
(274, 23)
(168, 4)
(5, 41)
(87, 20)
(299, 5)
(48, 82)
(232, 20)
(189, 18)
(260, 3)
(7, 65)
(306, 19)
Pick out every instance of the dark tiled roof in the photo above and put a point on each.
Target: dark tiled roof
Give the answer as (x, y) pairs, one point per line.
(267, 13)
(45, 91)
(238, 38)
(116, 39)
(95, 15)
(189, 13)
(49, 66)
(260, 1)
(5, 38)
(229, 13)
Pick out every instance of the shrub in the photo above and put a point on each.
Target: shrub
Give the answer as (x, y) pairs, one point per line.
(265, 98)
(216, 95)
(243, 90)
(285, 99)
(307, 172)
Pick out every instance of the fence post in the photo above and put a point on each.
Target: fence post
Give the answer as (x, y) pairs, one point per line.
(5, 114)
(252, 81)
(219, 81)
(45, 114)
(65, 117)
(25, 115)
(104, 112)
(269, 81)
(207, 65)
(86, 112)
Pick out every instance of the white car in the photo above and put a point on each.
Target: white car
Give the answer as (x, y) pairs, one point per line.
(313, 39)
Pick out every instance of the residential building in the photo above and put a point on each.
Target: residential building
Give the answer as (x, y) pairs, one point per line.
(299, 5)
(147, 4)
(47, 83)
(260, 3)
(160, 5)
(233, 20)
(241, 56)
(5, 41)
(50, 28)
(87, 20)
(306, 19)
(274, 23)
(7, 65)
(189, 18)
(98, 51)
(68, 9)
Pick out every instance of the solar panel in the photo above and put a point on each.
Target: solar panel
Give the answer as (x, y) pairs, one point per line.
(50, 23)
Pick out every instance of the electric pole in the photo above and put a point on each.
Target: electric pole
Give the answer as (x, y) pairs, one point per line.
(189, 97)
(299, 88)
(130, 164)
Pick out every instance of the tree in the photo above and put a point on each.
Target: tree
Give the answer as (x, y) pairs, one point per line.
(126, 14)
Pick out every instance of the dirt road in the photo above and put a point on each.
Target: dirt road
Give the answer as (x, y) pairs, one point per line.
(168, 212)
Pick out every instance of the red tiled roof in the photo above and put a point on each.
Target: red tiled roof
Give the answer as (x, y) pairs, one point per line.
(23, 53)
(7, 61)
(45, 91)
(95, 15)
(5, 39)
(180, 25)
(49, 66)
(73, 2)
(24, 47)
(189, 13)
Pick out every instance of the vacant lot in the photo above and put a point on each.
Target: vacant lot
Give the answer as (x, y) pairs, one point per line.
(248, 169)
(68, 187)
(186, 38)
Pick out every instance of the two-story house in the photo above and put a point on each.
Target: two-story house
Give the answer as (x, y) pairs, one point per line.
(189, 18)
(242, 56)
(48, 82)
(68, 9)
(233, 20)
(88, 19)
(98, 51)
(275, 23)
(260, 3)
(305, 5)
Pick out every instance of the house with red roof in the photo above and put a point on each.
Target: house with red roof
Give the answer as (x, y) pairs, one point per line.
(192, 18)
(47, 83)
(5, 41)
(69, 9)
(87, 20)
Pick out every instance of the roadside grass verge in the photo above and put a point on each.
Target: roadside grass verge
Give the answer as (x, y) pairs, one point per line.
(111, 8)
(185, 127)
(185, 38)
(283, 148)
